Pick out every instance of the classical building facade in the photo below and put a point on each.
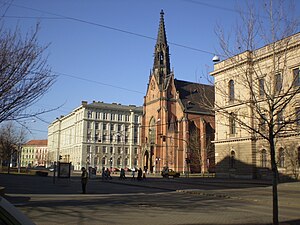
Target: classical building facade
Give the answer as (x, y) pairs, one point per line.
(176, 129)
(257, 94)
(35, 153)
(97, 135)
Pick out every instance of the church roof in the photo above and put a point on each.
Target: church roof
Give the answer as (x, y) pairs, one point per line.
(195, 97)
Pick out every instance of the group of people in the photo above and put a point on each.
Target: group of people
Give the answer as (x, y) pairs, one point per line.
(106, 174)
(141, 175)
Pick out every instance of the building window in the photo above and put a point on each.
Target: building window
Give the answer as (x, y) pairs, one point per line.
(112, 126)
(88, 125)
(111, 151)
(261, 87)
(119, 150)
(103, 161)
(264, 158)
(126, 151)
(232, 124)
(135, 162)
(126, 128)
(105, 116)
(119, 162)
(126, 162)
(118, 138)
(135, 140)
(278, 83)
(136, 118)
(119, 117)
(97, 115)
(89, 136)
(104, 149)
(89, 114)
(231, 90)
(281, 157)
(96, 149)
(104, 126)
(96, 125)
(119, 127)
(112, 116)
(262, 123)
(126, 118)
(232, 160)
(280, 119)
(296, 77)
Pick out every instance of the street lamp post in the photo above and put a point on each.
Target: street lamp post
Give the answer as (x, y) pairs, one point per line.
(19, 157)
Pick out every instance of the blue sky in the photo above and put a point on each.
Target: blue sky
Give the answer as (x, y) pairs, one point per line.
(96, 62)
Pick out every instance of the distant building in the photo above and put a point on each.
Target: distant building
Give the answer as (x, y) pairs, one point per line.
(177, 130)
(35, 153)
(252, 89)
(96, 135)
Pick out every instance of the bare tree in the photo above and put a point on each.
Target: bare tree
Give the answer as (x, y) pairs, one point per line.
(24, 73)
(256, 86)
(11, 139)
(194, 149)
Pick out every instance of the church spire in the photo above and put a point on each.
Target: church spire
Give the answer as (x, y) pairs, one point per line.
(161, 36)
(161, 66)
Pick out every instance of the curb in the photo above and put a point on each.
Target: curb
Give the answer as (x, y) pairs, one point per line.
(208, 194)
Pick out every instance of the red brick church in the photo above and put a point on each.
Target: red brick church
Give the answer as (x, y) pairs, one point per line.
(177, 130)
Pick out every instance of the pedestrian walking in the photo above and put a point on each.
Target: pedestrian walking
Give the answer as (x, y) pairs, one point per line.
(122, 174)
(103, 174)
(84, 179)
(140, 174)
(133, 173)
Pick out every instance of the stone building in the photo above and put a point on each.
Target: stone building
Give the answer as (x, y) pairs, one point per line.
(176, 129)
(34, 153)
(257, 94)
(97, 135)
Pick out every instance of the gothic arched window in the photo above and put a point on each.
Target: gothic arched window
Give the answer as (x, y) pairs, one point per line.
(232, 160)
(281, 157)
(231, 90)
(263, 158)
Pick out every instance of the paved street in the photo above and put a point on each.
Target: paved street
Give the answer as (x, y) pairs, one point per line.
(153, 201)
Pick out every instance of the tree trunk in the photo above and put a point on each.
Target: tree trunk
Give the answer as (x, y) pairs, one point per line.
(274, 183)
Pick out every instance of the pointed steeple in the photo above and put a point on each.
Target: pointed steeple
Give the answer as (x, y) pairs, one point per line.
(161, 36)
(161, 66)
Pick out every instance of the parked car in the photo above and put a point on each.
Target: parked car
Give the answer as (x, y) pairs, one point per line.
(39, 171)
(166, 173)
(9, 214)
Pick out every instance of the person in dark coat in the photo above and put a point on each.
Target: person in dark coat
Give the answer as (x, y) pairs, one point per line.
(140, 174)
(84, 179)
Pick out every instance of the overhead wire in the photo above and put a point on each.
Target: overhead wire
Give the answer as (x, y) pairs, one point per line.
(110, 28)
(97, 82)
(58, 16)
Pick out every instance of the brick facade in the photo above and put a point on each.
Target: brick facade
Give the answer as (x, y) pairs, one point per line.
(172, 115)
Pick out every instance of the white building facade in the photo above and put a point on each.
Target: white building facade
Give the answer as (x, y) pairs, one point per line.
(34, 153)
(97, 135)
(254, 92)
